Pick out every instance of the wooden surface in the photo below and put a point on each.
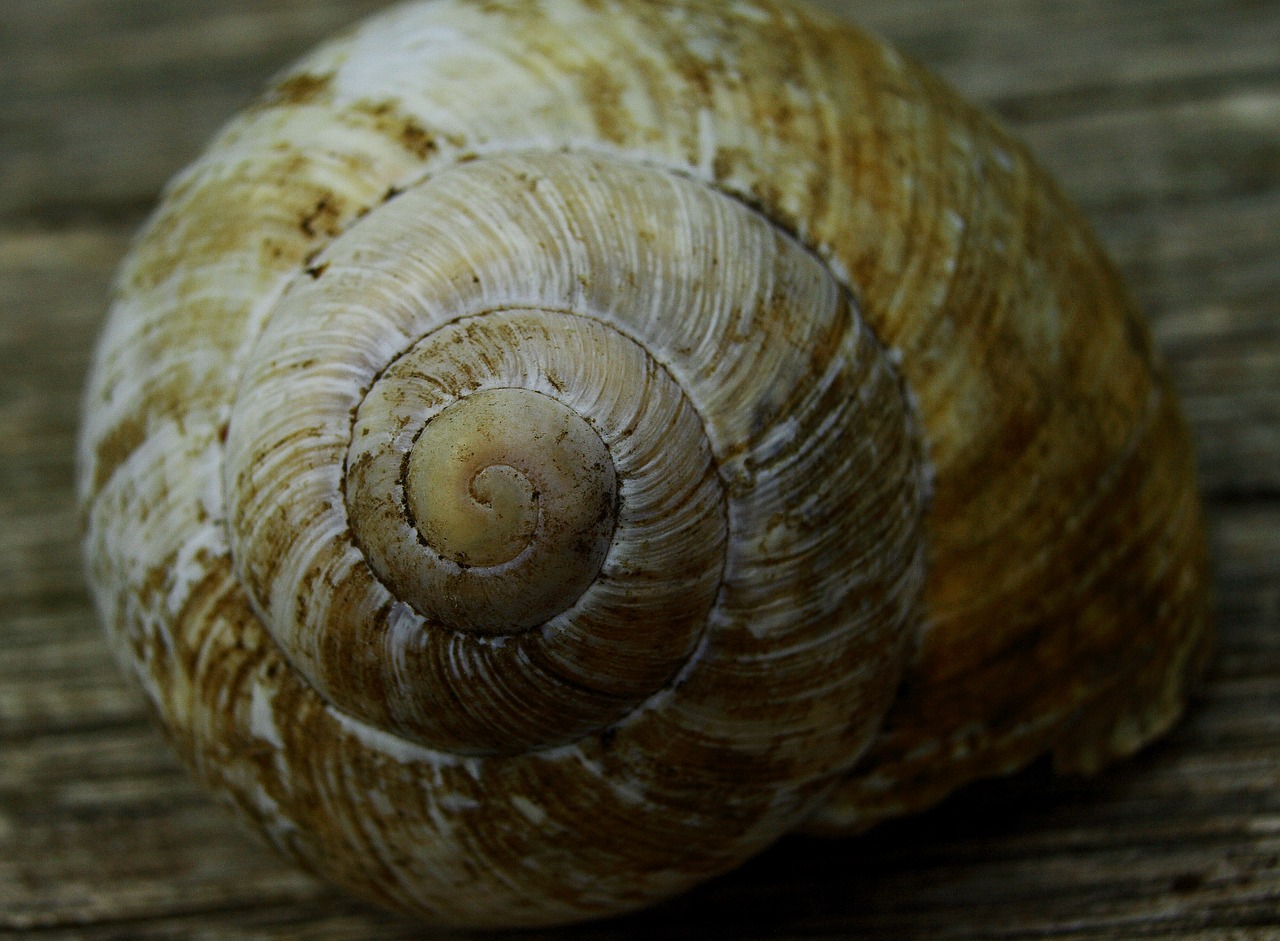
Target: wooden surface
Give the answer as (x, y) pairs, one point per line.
(1161, 117)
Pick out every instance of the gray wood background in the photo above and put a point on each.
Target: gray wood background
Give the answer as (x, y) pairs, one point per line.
(1162, 118)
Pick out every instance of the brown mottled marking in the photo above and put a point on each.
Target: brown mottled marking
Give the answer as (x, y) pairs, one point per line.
(386, 118)
(727, 160)
(603, 93)
(302, 89)
(417, 140)
(324, 218)
(205, 222)
(115, 447)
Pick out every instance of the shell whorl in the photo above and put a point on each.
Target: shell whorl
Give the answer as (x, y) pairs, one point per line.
(667, 425)
(491, 478)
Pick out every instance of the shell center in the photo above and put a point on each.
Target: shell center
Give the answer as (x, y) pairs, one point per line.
(502, 470)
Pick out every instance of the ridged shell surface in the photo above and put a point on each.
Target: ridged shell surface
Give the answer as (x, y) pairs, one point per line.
(542, 446)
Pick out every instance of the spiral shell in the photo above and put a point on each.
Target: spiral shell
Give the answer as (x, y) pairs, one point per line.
(529, 448)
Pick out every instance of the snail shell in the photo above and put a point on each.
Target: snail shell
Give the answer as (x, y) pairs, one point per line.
(545, 451)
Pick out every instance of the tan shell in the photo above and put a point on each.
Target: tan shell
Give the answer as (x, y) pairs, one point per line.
(529, 447)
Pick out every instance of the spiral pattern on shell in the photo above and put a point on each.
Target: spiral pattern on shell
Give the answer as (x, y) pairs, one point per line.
(551, 495)
(526, 448)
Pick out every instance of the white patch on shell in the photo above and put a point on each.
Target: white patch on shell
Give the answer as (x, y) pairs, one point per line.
(262, 720)
(706, 144)
(381, 802)
(390, 746)
(628, 790)
(455, 803)
(529, 810)
(750, 11)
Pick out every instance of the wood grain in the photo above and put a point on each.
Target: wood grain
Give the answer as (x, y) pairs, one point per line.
(1161, 117)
